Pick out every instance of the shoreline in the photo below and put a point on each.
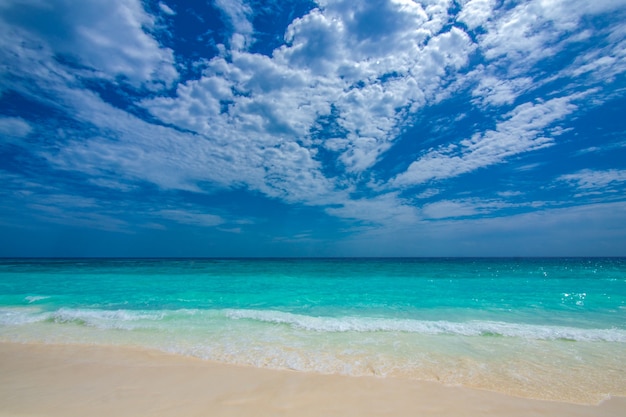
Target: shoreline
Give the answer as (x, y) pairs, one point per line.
(78, 380)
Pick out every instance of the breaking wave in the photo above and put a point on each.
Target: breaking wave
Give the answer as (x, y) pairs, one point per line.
(196, 319)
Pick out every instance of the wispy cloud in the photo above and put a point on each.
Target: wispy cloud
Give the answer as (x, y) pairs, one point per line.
(590, 181)
(190, 217)
(522, 130)
(166, 9)
(385, 209)
(584, 230)
(12, 128)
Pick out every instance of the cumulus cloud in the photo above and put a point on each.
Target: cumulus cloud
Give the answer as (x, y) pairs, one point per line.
(329, 62)
(107, 37)
(173, 160)
(238, 14)
(476, 12)
(140, 151)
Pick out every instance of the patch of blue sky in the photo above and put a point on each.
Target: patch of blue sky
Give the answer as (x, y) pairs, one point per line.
(271, 20)
(193, 30)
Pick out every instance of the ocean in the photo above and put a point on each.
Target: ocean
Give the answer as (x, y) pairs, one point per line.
(548, 328)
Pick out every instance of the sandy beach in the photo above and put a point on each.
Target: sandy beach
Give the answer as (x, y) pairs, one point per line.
(68, 380)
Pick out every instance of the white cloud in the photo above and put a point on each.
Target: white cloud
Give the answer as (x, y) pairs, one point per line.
(82, 219)
(247, 121)
(52, 203)
(47, 203)
(368, 29)
(190, 217)
(386, 209)
(476, 12)
(112, 184)
(144, 152)
(314, 42)
(330, 60)
(107, 36)
(238, 14)
(589, 180)
(533, 30)
(602, 64)
(497, 92)
(587, 230)
(508, 194)
(166, 9)
(14, 127)
(445, 208)
(518, 38)
(428, 193)
(139, 151)
(566, 13)
(235, 230)
(521, 131)
(520, 34)
(67, 201)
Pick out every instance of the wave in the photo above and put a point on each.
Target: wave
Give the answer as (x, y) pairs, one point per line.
(21, 316)
(106, 319)
(34, 298)
(197, 319)
(442, 327)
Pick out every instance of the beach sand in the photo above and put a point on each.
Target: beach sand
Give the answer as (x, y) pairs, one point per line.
(53, 380)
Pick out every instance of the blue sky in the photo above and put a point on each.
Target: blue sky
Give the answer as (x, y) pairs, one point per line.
(312, 128)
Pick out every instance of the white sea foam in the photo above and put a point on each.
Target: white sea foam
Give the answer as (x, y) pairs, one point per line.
(34, 298)
(470, 328)
(10, 316)
(108, 319)
(199, 320)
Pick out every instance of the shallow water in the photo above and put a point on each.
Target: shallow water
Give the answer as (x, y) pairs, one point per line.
(542, 328)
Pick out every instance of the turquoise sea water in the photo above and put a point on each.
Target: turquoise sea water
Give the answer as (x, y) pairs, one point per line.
(543, 328)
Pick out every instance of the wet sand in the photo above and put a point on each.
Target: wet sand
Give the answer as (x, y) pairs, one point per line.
(55, 380)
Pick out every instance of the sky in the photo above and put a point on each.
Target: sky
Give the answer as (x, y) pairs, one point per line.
(227, 128)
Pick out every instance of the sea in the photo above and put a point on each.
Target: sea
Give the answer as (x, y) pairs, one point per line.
(546, 328)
